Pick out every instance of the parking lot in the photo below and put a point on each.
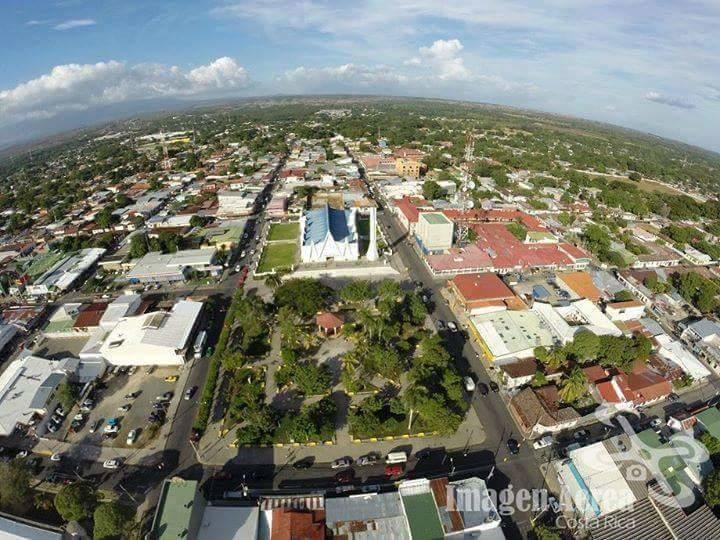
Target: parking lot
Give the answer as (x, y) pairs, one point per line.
(116, 393)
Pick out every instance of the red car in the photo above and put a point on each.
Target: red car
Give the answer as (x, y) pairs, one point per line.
(393, 471)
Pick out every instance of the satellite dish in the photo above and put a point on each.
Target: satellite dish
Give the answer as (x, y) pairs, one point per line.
(470, 204)
(471, 184)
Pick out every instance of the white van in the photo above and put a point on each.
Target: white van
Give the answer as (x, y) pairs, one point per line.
(396, 457)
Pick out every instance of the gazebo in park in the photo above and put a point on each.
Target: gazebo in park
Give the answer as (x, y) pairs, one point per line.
(329, 323)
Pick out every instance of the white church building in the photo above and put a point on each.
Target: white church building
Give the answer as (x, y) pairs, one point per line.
(329, 234)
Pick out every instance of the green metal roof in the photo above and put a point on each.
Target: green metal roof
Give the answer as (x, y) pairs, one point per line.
(174, 511)
(422, 516)
(435, 218)
(710, 421)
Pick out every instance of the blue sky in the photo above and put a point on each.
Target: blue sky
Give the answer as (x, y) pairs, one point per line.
(649, 65)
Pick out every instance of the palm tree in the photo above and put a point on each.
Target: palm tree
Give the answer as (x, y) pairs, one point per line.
(573, 386)
(414, 396)
(273, 281)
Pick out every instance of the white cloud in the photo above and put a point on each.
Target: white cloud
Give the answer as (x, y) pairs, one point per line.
(669, 100)
(77, 87)
(443, 60)
(74, 23)
(350, 75)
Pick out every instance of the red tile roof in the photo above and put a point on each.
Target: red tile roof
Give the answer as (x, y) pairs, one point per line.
(409, 207)
(485, 286)
(290, 524)
(329, 321)
(595, 374)
(90, 316)
(638, 387)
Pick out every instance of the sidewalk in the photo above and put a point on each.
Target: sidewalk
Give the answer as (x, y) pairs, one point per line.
(217, 451)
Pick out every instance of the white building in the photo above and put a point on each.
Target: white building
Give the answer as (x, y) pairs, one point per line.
(329, 234)
(434, 231)
(675, 352)
(27, 386)
(630, 310)
(236, 203)
(156, 267)
(157, 338)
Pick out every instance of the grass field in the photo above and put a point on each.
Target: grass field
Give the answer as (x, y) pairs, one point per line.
(276, 256)
(283, 232)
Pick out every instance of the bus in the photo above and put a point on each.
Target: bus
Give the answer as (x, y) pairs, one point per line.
(199, 346)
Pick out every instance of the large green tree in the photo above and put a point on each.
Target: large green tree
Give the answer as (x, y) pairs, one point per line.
(305, 296)
(76, 501)
(711, 488)
(15, 493)
(110, 520)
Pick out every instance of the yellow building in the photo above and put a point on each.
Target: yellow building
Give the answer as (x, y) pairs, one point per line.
(408, 167)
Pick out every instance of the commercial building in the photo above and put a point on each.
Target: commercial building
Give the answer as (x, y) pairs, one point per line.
(27, 386)
(434, 232)
(674, 352)
(157, 338)
(593, 481)
(233, 203)
(156, 267)
(373, 515)
(329, 234)
(482, 293)
(506, 335)
(579, 284)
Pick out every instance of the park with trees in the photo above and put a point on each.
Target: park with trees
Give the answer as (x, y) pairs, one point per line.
(282, 380)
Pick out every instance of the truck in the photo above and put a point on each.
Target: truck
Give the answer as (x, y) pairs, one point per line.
(199, 346)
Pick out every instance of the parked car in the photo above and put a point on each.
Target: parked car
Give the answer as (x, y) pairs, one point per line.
(494, 386)
(131, 437)
(112, 463)
(52, 427)
(546, 441)
(581, 435)
(171, 378)
(469, 384)
(341, 463)
(656, 423)
(513, 446)
(59, 411)
(111, 428)
(167, 396)
(305, 463)
(124, 408)
(149, 370)
(369, 459)
(483, 389)
(393, 471)
(97, 425)
(673, 397)
(440, 325)
(132, 395)
(78, 417)
(190, 392)
(452, 326)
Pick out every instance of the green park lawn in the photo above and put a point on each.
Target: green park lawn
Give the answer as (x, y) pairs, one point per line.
(276, 256)
(283, 232)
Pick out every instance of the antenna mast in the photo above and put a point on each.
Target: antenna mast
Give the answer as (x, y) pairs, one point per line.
(464, 201)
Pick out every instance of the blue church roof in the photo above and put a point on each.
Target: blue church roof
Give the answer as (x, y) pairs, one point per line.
(318, 222)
